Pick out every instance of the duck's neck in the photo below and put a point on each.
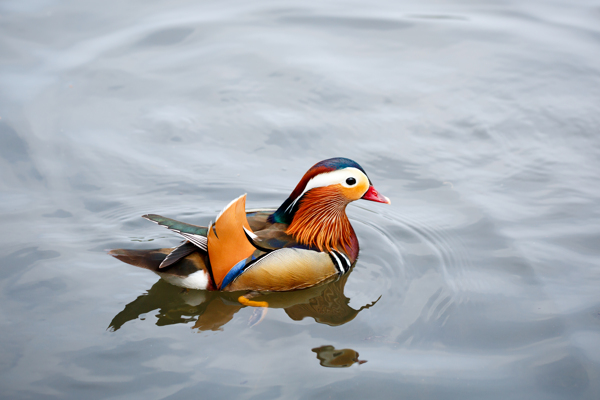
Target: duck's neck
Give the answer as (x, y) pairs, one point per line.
(320, 221)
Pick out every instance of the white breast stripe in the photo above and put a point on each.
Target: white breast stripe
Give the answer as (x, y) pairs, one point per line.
(344, 261)
(348, 263)
(337, 263)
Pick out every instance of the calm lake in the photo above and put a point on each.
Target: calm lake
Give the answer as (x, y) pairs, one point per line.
(480, 120)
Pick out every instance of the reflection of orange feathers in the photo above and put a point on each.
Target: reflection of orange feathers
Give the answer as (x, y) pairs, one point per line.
(227, 242)
(321, 221)
(215, 316)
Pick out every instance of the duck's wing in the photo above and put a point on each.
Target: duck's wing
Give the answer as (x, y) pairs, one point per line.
(283, 264)
(194, 233)
(227, 241)
(281, 270)
(179, 252)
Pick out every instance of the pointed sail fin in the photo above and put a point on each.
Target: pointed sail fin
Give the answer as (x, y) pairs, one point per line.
(227, 242)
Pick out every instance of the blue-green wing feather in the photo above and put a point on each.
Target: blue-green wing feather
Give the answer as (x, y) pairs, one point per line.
(179, 227)
(194, 233)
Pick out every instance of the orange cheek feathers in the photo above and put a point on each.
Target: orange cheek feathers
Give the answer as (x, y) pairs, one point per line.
(355, 192)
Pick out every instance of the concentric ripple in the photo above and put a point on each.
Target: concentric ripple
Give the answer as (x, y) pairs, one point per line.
(409, 261)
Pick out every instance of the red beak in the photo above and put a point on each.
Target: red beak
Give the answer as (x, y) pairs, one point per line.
(374, 195)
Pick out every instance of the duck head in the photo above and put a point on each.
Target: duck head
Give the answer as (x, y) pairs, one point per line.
(316, 209)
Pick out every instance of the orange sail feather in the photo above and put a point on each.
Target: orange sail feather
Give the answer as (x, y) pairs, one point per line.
(227, 242)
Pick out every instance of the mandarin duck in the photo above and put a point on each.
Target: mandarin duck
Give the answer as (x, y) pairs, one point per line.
(307, 241)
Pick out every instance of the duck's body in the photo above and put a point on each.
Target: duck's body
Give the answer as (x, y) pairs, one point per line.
(305, 242)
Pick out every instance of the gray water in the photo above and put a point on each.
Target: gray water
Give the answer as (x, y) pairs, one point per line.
(479, 119)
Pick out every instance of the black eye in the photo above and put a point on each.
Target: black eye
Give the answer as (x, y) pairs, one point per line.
(350, 181)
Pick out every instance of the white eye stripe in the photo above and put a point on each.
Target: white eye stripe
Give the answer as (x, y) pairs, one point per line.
(331, 178)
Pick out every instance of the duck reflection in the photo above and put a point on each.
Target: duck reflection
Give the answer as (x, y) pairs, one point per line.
(334, 358)
(211, 310)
